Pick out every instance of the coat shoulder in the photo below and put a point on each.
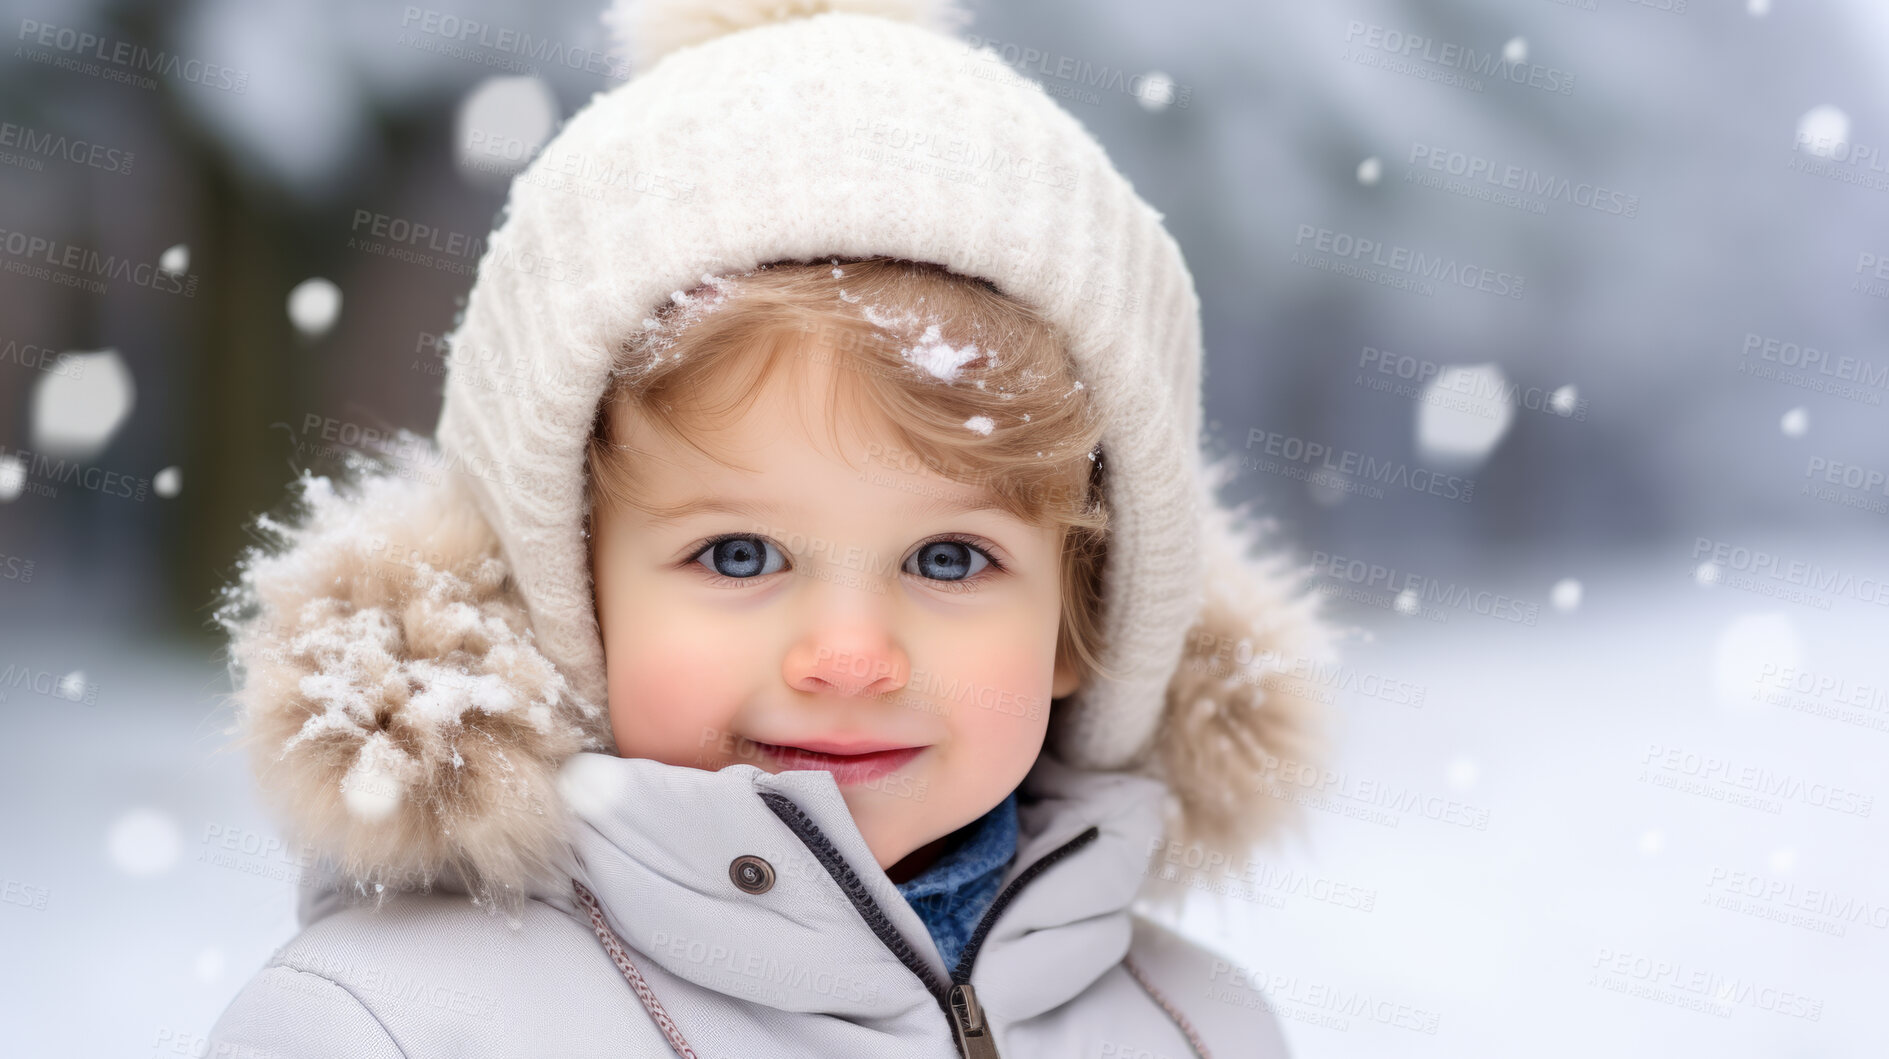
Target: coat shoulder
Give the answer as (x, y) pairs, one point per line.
(430, 975)
(286, 1013)
(1193, 982)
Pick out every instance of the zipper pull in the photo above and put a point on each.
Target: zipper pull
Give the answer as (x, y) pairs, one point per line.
(974, 1036)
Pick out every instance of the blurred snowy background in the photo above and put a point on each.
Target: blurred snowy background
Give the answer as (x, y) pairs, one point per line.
(1555, 335)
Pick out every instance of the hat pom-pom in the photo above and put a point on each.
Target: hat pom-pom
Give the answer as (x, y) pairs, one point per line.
(647, 30)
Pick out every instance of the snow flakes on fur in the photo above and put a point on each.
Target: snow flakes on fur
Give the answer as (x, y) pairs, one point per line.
(395, 708)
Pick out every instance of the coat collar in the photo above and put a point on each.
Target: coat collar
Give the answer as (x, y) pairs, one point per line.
(663, 878)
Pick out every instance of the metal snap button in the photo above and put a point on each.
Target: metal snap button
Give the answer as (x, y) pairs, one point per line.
(752, 874)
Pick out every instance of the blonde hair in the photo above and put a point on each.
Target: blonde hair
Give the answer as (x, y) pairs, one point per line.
(974, 385)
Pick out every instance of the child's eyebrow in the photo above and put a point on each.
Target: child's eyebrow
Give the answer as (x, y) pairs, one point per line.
(758, 509)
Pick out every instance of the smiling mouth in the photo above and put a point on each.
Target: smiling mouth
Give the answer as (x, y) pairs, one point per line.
(847, 769)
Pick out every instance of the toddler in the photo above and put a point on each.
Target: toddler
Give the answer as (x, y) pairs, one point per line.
(812, 626)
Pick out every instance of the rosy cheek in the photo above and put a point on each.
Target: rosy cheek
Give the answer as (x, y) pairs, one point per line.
(666, 701)
(1008, 728)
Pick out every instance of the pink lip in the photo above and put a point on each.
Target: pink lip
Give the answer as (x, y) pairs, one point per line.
(860, 763)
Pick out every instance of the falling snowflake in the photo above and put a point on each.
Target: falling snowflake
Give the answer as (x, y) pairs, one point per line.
(1564, 400)
(1824, 131)
(590, 784)
(1156, 92)
(143, 842)
(12, 477)
(76, 415)
(1708, 574)
(176, 260)
(1370, 171)
(1462, 414)
(502, 124)
(1795, 422)
(1406, 602)
(168, 482)
(313, 306)
(1565, 595)
(1515, 52)
(72, 686)
(980, 424)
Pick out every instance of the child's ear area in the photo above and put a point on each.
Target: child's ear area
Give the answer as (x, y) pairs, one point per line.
(1066, 681)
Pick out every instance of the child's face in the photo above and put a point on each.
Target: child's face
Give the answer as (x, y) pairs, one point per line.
(844, 617)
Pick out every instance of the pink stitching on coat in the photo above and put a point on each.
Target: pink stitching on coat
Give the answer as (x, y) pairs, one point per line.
(1179, 1019)
(622, 959)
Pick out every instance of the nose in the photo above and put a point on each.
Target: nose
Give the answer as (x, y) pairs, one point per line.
(858, 661)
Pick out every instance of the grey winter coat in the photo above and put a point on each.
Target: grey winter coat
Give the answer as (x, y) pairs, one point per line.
(747, 917)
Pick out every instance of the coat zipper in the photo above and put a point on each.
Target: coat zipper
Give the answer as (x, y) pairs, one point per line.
(971, 1032)
(975, 1037)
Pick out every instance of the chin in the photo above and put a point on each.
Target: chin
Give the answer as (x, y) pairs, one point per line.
(890, 841)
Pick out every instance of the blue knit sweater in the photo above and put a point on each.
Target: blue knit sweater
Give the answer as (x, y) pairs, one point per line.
(953, 894)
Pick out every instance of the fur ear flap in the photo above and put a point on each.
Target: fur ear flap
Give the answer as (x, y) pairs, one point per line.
(1239, 719)
(394, 707)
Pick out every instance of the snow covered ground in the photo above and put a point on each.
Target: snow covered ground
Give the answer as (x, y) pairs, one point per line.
(1586, 837)
(1653, 825)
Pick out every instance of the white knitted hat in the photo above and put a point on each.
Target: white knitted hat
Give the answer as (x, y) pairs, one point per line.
(415, 655)
(844, 133)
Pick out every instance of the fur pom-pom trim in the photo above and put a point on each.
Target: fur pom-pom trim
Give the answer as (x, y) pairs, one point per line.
(388, 690)
(1240, 719)
(647, 30)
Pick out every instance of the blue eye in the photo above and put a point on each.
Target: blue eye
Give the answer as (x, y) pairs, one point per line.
(948, 560)
(742, 557)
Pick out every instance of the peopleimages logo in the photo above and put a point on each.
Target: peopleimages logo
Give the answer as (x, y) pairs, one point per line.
(502, 40)
(1446, 55)
(45, 474)
(123, 60)
(1351, 465)
(44, 258)
(83, 152)
(1401, 262)
(1842, 151)
(1726, 557)
(1429, 382)
(1694, 988)
(1418, 593)
(1716, 777)
(1824, 362)
(1475, 169)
